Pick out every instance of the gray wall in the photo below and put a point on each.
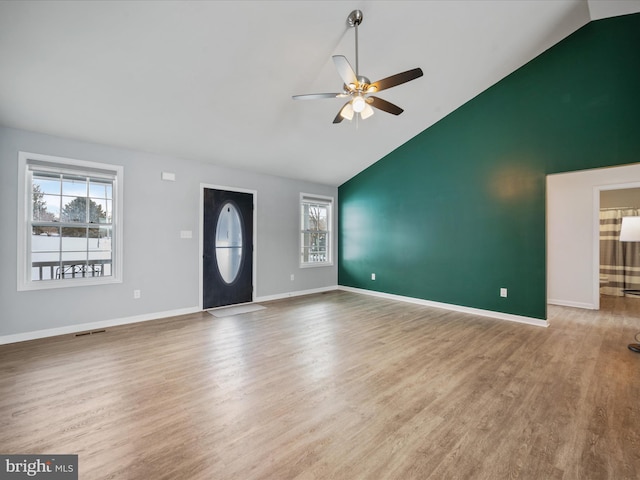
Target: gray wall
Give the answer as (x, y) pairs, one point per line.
(156, 260)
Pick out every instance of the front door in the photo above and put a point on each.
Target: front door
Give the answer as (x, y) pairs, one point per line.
(227, 248)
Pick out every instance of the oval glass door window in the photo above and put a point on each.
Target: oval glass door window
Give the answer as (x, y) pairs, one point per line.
(229, 248)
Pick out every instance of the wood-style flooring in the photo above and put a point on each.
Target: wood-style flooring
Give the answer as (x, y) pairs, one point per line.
(335, 386)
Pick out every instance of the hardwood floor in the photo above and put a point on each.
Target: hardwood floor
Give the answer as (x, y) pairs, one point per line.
(334, 386)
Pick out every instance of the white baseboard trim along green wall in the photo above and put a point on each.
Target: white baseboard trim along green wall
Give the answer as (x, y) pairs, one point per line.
(456, 308)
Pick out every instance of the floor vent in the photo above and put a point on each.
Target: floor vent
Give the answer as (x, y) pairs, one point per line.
(84, 334)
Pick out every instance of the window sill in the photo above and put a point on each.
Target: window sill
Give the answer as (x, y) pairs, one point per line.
(67, 283)
(315, 265)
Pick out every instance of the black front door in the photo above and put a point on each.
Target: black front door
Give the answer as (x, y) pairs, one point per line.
(227, 248)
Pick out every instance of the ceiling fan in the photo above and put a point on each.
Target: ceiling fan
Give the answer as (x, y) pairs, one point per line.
(359, 89)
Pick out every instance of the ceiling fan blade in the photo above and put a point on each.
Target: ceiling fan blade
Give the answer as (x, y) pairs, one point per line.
(345, 112)
(317, 96)
(394, 80)
(381, 104)
(345, 70)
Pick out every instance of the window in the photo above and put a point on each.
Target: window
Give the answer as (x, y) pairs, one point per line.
(315, 237)
(70, 233)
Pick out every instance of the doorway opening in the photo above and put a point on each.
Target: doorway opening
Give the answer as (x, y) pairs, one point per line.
(619, 255)
(573, 232)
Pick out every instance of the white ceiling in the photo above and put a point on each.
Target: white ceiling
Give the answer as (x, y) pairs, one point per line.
(212, 81)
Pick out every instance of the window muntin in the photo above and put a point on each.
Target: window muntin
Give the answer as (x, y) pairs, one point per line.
(315, 235)
(70, 230)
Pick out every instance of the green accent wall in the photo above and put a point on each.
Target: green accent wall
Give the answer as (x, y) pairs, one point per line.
(458, 211)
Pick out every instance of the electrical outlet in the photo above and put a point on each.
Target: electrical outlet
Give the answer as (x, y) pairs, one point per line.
(136, 294)
(373, 276)
(293, 277)
(503, 292)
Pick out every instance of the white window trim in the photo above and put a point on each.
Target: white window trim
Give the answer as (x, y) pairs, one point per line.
(24, 212)
(330, 241)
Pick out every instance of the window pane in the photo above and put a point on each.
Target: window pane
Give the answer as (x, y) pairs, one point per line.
(97, 211)
(74, 258)
(45, 257)
(46, 204)
(317, 217)
(100, 243)
(46, 208)
(106, 270)
(322, 219)
(319, 241)
(318, 256)
(45, 239)
(306, 239)
(314, 217)
(99, 255)
(74, 186)
(44, 266)
(47, 183)
(100, 188)
(74, 243)
(317, 248)
(74, 209)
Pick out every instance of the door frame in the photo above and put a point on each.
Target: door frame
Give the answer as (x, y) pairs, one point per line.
(254, 193)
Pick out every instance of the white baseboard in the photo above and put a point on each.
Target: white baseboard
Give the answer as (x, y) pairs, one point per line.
(84, 327)
(280, 296)
(569, 303)
(456, 308)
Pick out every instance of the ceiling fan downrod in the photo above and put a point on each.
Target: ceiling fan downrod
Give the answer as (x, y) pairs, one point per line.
(353, 20)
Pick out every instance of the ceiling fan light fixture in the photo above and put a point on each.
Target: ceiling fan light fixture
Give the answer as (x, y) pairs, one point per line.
(367, 112)
(359, 104)
(347, 112)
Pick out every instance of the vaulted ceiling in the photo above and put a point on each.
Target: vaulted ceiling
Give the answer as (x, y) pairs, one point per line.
(212, 81)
